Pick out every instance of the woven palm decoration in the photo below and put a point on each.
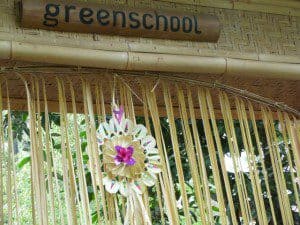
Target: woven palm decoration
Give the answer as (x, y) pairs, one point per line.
(141, 150)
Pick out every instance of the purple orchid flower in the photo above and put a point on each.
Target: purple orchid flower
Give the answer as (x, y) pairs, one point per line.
(118, 113)
(124, 155)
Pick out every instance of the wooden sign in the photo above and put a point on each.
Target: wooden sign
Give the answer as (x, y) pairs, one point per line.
(72, 16)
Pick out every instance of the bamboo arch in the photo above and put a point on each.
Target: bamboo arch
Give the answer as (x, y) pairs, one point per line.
(74, 205)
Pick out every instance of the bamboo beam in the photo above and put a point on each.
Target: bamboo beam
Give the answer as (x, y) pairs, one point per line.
(140, 61)
(254, 68)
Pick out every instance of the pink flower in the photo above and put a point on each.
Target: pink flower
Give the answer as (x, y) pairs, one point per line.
(124, 155)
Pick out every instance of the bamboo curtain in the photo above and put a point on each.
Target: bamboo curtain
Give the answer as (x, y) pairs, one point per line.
(194, 187)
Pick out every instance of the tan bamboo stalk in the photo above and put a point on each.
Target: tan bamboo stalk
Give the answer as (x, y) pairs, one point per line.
(94, 144)
(221, 157)
(234, 152)
(49, 158)
(157, 184)
(57, 186)
(72, 182)
(294, 142)
(139, 61)
(40, 156)
(282, 180)
(261, 156)
(100, 109)
(1, 158)
(288, 154)
(212, 154)
(95, 173)
(85, 206)
(67, 162)
(251, 160)
(39, 203)
(206, 211)
(177, 157)
(12, 160)
(98, 104)
(189, 145)
(167, 184)
(9, 164)
(281, 191)
(34, 196)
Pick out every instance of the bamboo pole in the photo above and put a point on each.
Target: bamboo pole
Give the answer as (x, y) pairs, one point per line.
(5, 50)
(138, 61)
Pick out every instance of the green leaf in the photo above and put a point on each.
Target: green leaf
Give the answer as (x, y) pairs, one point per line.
(23, 162)
(57, 146)
(82, 134)
(24, 117)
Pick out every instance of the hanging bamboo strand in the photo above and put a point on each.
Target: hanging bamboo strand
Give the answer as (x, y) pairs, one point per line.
(10, 163)
(166, 182)
(234, 152)
(221, 158)
(31, 129)
(85, 206)
(212, 154)
(176, 150)
(251, 160)
(261, 157)
(157, 186)
(49, 158)
(38, 205)
(1, 158)
(276, 162)
(294, 142)
(68, 171)
(206, 208)
(264, 155)
(289, 158)
(91, 154)
(282, 180)
(40, 157)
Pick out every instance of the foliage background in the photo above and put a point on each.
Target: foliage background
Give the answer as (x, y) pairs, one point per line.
(22, 155)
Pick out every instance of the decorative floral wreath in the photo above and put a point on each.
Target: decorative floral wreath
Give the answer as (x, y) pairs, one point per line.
(130, 156)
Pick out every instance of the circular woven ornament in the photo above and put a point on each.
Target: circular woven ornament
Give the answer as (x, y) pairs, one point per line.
(130, 157)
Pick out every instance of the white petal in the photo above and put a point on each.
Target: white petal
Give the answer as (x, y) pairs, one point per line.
(127, 126)
(139, 132)
(114, 126)
(112, 186)
(104, 131)
(124, 188)
(152, 151)
(153, 168)
(100, 141)
(137, 187)
(154, 158)
(148, 142)
(148, 179)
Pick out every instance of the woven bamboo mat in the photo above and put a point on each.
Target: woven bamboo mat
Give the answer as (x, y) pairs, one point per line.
(244, 34)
